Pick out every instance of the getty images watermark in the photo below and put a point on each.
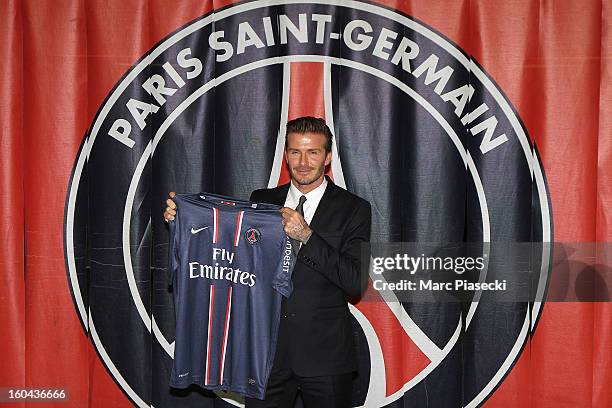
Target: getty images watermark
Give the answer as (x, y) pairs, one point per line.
(487, 272)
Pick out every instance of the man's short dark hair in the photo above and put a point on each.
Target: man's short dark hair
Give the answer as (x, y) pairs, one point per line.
(309, 124)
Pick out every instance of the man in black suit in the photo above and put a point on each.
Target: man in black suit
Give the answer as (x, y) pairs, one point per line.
(315, 352)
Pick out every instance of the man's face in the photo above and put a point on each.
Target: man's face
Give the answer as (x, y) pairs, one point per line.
(306, 157)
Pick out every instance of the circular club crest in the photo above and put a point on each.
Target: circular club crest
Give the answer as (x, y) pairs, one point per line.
(252, 235)
(446, 112)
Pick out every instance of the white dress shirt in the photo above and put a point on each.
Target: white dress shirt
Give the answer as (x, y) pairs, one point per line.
(312, 199)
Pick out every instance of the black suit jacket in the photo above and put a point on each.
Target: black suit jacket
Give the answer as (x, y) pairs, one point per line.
(315, 335)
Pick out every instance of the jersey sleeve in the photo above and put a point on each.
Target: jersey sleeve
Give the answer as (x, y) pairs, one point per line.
(282, 275)
(173, 249)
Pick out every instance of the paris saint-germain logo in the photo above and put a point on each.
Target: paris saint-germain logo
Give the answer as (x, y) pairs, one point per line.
(214, 96)
(252, 235)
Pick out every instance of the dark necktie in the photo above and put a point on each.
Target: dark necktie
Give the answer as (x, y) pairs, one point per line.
(300, 209)
(300, 206)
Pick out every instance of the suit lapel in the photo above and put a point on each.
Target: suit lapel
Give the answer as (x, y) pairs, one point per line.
(323, 209)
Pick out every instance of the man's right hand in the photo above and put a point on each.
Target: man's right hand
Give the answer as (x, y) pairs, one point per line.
(170, 212)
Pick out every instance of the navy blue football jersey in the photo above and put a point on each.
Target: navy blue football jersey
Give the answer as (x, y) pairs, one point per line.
(230, 263)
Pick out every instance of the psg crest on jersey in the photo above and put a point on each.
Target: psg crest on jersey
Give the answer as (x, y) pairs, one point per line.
(252, 235)
(420, 130)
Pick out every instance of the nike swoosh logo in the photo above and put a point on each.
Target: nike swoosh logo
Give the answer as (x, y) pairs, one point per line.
(195, 231)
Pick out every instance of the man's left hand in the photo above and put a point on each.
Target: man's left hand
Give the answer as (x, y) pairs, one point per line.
(295, 225)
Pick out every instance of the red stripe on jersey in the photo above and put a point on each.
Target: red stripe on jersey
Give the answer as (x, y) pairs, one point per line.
(215, 225)
(226, 332)
(238, 228)
(210, 320)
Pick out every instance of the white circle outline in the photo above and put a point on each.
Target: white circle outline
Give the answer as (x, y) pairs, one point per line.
(533, 164)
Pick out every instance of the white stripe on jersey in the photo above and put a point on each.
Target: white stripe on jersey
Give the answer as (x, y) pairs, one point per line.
(238, 228)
